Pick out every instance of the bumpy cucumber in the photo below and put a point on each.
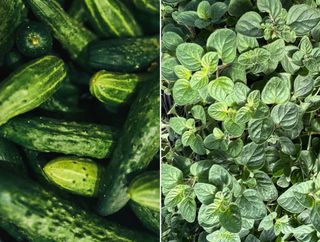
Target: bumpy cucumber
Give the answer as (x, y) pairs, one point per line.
(10, 157)
(149, 218)
(145, 190)
(115, 89)
(112, 18)
(150, 6)
(51, 135)
(41, 216)
(29, 86)
(74, 174)
(72, 35)
(12, 12)
(123, 55)
(135, 149)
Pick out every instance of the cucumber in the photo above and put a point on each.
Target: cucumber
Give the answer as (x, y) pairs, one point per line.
(35, 162)
(74, 174)
(77, 11)
(12, 13)
(71, 34)
(123, 55)
(41, 216)
(13, 60)
(112, 18)
(115, 89)
(149, 218)
(139, 143)
(10, 157)
(149, 6)
(145, 190)
(51, 135)
(29, 86)
(33, 39)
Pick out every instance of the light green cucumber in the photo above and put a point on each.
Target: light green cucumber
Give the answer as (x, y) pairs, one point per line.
(74, 174)
(29, 86)
(149, 6)
(112, 18)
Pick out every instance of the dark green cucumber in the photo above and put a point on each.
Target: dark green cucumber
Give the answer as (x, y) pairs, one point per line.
(51, 135)
(150, 27)
(41, 216)
(35, 162)
(135, 149)
(29, 86)
(10, 157)
(149, 218)
(77, 11)
(33, 39)
(149, 6)
(76, 175)
(12, 13)
(115, 89)
(112, 18)
(72, 35)
(123, 55)
(13, 60)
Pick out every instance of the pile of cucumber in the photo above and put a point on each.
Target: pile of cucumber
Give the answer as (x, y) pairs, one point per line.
(79, 120)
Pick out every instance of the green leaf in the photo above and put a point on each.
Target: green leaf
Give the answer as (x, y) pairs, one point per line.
(199, 80)
(220, 88)
(170, 40)
(223, 236)
(267, 222)
(272, 7)
(178, 124)
(249, 24)
(219, 176)
(197, 145)
(240, 93)
(252, 156)
(175, 195)
(303, 86)
(204, 10)
(205, 192)
(276, 91)
(210, 61)
(218, 9)
(253, 100)
(255, 60)
(260, 129)
(235, 147)
(230, 219)
(186, 18)
(189, 55)
(245, 43)
(302, 18)
(315, 215)
(208, 216)
(239, 7)
(188, 137)
(170, 176)
(218, 111)
(167, 68)
(285, 115)
(251, 205)
(305, 45)
(233, 128)
(265, 186)
(188, 209)
(243, 115)
(182, 72)
(223, 41)
(183, 93)
(199, 113)
(287, 146)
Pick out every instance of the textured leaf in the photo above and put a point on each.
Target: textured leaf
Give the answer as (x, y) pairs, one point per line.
(245, 43)
(199, 80)
(205, 192)
(170, 176)
(265, 186)
(223, 236)
(252, 156)
(239, 7)
(260, 129)
(233, 128)
(219, 176)
(303, 86)
(249, 24)
(210, 61)
(170, 40)
(251, 205)
(285, 115)
(199, 113)
(273, 7)
(183, 93)
(175, 195)
(220, 88)
(218, 111)
(182, 72)
(276, 91)
(189, 55)
(231, 219)
(188, 209)
(178, 124)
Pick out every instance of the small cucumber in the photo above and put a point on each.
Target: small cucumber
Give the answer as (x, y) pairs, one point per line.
(33, 39)
(72, 35)
(123, 55)
(135, 149)
(112, 18)
(74, 174)
(42, 216)
(29, 86)
(66, 137)
(145, 190)
(115, 89)
(149, 6)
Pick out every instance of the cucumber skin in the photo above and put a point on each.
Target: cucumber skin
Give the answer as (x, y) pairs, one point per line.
(135, 149)
(112, 18)
(29, 86)
(123, 55)
(10, 157)
(41, 216)
(149, 218)
(149, 6)
(71, 34)
(51, 135)
(77, 11)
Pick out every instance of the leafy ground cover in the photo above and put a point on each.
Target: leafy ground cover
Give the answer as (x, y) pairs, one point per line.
(240, 120)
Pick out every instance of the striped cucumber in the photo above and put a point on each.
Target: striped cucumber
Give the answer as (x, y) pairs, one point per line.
(149, 6)
(42, 216)
(66, 137)
(123, 55)
(139, 143)
(72, 35)
(112, 18)
(29, 86)
(74, 174)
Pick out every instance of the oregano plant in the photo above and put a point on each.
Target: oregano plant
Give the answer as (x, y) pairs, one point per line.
(241, 120)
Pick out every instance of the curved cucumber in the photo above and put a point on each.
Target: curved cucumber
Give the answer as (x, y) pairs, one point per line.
(138, 144)
(41, 216)
(10, 157)
(51, 135)
(149, 6)
(29, 86)
(145, 190)
(71, 34)
(74, 174)
(112, 18)
(123, 55)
